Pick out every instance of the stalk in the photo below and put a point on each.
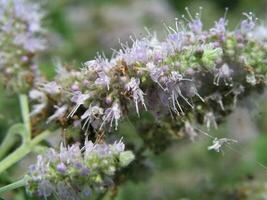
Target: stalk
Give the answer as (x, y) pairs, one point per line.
(10, 138)
(22, 151)
(24, 107)
(12, 186)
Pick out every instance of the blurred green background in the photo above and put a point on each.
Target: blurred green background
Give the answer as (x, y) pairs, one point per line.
(78, 29)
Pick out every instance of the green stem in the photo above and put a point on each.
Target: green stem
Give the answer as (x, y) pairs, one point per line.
(22, 151)
(7, 143)
(10, 138)
(24, 107)
(12, 186)
(23, 129)
(15, 156)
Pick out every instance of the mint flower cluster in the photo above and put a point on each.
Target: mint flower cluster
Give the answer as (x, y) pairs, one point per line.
(194, 76)
(77, 173)
(20, 39)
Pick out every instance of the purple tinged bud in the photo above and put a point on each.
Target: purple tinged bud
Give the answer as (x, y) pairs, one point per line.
(108, 100)
(75, 87)
(190, 72)
(86, 191)
(24, 58)
(85, 171)
(78, 165)
(61, 168)
(77, 123)
(85, 82)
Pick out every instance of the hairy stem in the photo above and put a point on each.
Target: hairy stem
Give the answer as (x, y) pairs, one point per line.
(10, 138)
(22, 151)
(24, 107)
(12, 186)
(15, 156)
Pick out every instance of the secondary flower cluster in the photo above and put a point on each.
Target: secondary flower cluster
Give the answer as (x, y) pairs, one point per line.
(20, 30)
(194, 75)
(74, 173)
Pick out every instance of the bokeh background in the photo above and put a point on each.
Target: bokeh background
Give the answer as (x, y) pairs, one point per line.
(78, 29)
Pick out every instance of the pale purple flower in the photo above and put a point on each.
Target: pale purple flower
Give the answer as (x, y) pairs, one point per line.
(37, 109)
(61, 167)
(251, 79)
(177, 40)
(112, 114)
(30, 43)
(42, 101)
(51, 88)
(92, 65)
(220, 28)
(196, 26)
(237, 90)
(175, 92)
(45, 189)
(176, 76)
(157, 73)
(218, 98)
(69, 154)
(36, 94)
(60, 112)
(89, 147)
(66, 192)
(138, 94)
(79, 99)
(260, 34)
(248, 24)
(119, 146)
(139, 52)
(99, 64)
(52, 155)
(224, 72)
(38, 170)
(190, 131)
(29, 13)
(190, 89)
(92, 116)
(103, 80)
(102, 150)
(210, 120)
(68, 172)
(218, 143)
